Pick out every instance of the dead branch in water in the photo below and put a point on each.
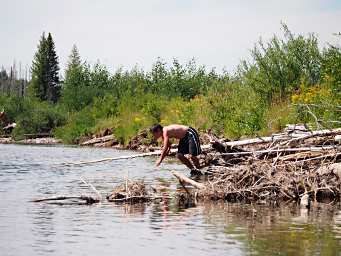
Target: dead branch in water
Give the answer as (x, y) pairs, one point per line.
(87, 199)
(93, 188)
(183, 179)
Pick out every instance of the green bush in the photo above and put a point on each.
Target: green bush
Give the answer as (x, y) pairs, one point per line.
(78, 124)
(288, 79)
(32, 115)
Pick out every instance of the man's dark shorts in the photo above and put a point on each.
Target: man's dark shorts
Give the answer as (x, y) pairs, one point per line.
(190, 144)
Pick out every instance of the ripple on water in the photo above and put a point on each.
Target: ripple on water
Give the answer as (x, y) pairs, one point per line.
(217, 228)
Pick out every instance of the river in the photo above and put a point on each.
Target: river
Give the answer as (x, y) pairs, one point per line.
(211, 228)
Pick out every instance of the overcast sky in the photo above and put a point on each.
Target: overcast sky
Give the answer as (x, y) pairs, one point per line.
(217, 33)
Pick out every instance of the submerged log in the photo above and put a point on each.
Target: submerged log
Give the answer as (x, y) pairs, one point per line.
(87, 199)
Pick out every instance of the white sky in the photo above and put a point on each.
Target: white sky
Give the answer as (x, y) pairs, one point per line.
(217, 33)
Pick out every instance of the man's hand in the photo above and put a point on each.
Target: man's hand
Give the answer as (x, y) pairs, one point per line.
(165, 148)
(158, 162)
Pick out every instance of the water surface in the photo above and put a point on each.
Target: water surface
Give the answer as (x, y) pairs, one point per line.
(218, 228)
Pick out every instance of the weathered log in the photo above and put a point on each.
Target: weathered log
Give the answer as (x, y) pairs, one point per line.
(115, 158)
(98, 140)
(155, 153)
(310, 149)
(304, 136)
(284, 137)
(182, 178)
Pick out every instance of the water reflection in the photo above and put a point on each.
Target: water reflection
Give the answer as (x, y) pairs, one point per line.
(285, 230)
(161, 228)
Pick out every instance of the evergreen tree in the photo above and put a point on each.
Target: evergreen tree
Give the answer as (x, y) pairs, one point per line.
(3, 74)
(53, 86)
(38, 86)
(45, 80)
(76, 92)
(74, 59)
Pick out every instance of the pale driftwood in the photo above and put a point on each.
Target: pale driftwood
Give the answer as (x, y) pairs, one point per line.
(183, 179)
(155, 153)
(283, 137)
(312, 134)
(257, 140)
(310, 149)
(88, 199)
(98, 140)
(305, 201)
(333, 155)
(115, 158)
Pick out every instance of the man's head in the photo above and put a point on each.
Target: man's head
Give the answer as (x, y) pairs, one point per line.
(156, 130)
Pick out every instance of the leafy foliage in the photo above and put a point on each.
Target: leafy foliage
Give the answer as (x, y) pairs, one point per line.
(289, 79)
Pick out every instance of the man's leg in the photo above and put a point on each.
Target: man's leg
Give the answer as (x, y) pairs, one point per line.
(185, 161)
(195, 161)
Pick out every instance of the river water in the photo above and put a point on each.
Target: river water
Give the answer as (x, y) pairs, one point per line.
(28, 172)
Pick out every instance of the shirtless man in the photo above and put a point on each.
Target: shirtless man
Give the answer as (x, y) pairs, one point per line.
(189, 144)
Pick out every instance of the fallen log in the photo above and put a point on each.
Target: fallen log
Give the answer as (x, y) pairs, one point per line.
(256, 140)
(115, 158)
(155, 153)
(311, 149)
(323, 157)
(284, 137)
(98, 140)
(312, 134)
(184, 179)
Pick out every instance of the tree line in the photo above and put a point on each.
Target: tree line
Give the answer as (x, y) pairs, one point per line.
(289, 78)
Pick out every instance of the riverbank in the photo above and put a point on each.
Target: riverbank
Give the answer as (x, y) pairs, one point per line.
(33, 141)
(297, 164)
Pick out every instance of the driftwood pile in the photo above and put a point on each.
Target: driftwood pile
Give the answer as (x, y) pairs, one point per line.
(295, 164)
(136, 192)
(130, 191)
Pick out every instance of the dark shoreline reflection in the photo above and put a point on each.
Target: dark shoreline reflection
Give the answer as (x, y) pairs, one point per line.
(159, 228)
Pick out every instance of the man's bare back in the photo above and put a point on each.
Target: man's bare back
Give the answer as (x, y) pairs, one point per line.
(176, 131)
(189, 144)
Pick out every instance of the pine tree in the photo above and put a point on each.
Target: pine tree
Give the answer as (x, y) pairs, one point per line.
(3, 74)
(74, 59)
(38, 85)
(75, 92)
(45, 79)
(53, 86)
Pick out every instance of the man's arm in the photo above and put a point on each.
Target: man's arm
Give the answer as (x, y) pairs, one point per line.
(165, 149)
